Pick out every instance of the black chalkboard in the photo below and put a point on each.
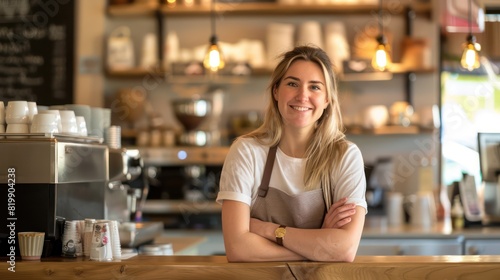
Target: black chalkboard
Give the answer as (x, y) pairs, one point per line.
(37, 51)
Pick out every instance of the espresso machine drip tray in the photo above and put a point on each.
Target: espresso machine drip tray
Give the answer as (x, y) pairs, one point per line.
(133, 235)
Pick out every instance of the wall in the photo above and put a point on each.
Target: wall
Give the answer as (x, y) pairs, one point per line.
(89, 80)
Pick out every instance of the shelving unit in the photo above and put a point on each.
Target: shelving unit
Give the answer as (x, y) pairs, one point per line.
(151, 9)
(257, 9)
(235, 9)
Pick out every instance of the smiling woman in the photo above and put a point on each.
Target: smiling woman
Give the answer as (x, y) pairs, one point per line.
(294, 189)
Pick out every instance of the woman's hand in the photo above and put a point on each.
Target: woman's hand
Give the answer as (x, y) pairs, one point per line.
(339, 214)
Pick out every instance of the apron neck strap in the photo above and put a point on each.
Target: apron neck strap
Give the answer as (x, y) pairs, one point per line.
(264, 184)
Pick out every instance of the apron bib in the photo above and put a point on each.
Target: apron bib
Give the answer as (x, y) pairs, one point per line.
(304, 210)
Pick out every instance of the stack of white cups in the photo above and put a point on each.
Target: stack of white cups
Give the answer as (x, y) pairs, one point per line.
(101, 249)
(87, 236)
(45, 123)
(280, 38)
(2, 118)
(72, 243)
(115, 240)
(68, 122)
(112, 136)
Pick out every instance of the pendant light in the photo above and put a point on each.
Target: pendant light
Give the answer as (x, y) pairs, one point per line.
(214, 59)
(470, 56)
(382, 58)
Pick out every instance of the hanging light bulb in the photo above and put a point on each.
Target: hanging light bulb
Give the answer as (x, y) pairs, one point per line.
(382, 58)
(214, 60)
(470, 56)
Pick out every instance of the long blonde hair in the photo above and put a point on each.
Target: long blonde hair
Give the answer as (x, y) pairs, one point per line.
(328, 140)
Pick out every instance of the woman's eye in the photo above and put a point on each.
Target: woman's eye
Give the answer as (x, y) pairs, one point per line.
(316, 87)
(292, 84)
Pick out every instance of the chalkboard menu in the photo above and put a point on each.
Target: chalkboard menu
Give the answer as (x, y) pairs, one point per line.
(37, 50)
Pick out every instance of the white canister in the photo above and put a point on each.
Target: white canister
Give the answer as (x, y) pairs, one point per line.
(336, 44)
(310, 33)
(149, 56)
(395, 211)
(280, 38)
(120, 54)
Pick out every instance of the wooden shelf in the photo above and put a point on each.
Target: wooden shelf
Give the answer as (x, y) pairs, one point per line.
(161, 206)
(259, 9)
(257, 72)
(390, 130)
(135, 9)
(137, 72)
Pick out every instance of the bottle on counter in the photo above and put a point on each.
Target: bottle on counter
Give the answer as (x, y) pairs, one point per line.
(457, 213)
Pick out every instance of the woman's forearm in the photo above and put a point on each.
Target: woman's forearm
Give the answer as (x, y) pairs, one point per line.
(317, 244)
(250, 247)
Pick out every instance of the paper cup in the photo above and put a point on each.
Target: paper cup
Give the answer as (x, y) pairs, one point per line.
(72, 243)
(31, 245)
(101, 242)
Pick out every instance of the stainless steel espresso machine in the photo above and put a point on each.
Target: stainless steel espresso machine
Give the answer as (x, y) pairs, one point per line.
(53, 178)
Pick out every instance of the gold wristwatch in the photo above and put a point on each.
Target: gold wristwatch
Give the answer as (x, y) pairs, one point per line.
(280, 234)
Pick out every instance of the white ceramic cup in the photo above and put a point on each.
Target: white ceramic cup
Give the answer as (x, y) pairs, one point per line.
(97, 122)
(81, 110)
(17, 128)
(68, 122)
(82, 126)
(44, 123)
(17, 112)
(31, 245)
(32, 110)
(58, 117)
(2, 113)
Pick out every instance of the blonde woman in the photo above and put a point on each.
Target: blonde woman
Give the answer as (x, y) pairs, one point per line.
(294, 189)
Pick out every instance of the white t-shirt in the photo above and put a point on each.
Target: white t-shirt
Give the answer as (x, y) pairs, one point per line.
(244, 167)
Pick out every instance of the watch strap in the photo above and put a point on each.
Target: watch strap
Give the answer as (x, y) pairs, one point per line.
(279, 239)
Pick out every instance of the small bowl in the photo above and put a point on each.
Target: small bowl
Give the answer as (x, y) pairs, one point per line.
(191, 112)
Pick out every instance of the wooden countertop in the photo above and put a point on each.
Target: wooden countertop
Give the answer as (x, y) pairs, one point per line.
(179, 244)
(377, 227)
(217, 267)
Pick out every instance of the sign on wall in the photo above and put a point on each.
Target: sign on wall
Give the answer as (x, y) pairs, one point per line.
(36, 50)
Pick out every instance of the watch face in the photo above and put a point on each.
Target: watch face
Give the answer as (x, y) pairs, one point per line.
(280, 232)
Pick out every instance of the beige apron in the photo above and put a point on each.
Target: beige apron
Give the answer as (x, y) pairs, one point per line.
(304, 210)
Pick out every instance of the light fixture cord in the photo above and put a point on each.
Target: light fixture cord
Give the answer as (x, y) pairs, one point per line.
(381, 26)
(470, 17)
(212, 16)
